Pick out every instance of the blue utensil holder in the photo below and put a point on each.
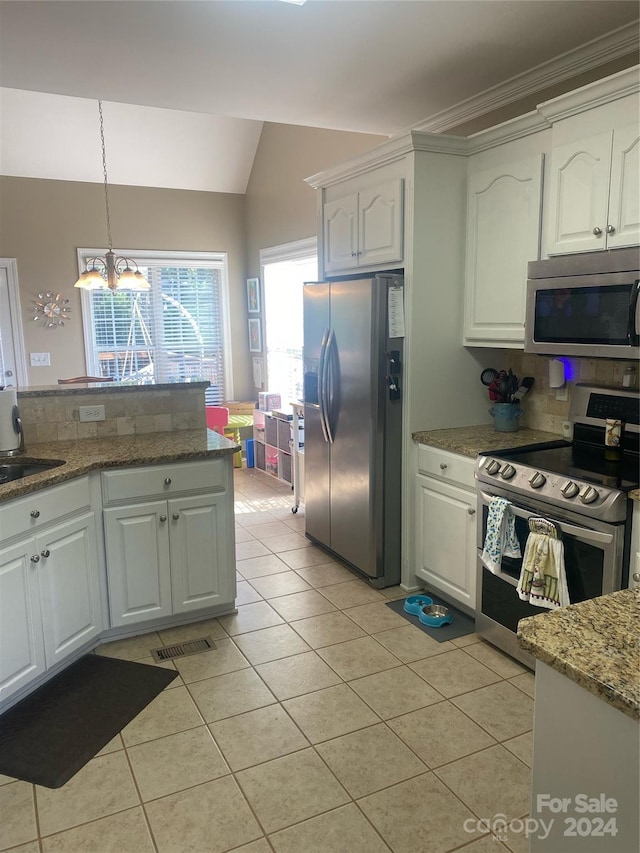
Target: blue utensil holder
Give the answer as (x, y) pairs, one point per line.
(506, 416)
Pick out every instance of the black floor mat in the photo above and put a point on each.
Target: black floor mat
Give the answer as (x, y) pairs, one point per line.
(461, 625)
(52, 733)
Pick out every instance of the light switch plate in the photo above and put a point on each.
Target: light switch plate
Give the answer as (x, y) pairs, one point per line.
(91, 413)
(40, 359)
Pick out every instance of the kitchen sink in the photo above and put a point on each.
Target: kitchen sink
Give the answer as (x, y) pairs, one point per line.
(18, 470)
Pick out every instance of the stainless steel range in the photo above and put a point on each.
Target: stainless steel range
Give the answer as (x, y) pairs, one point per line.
(573, 485)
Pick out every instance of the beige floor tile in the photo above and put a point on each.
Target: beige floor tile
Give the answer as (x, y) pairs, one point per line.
(501, 709)
(351, 594)
(329, 713)
(270, 531)
(376, 617)
(514, 838)
(250, 617)
(163, 664)
(296, 675)
(170, 712)
(290, 789)
(246, 594)
(247, 517)
(258, 567)
(486, 844)
(394, 593)
(440, 733)
(357, 658)
(327, 629)
(296, 523)
(466, 640)
(302, 558)
(193, 631)
(522, 747)
(233, 693)
(526, 683)
(242, 535)
(29, 847)
(454, 672)
(343, 830)
(490, 782)
(125, 832)
(5, 780)
(301, 605)
(169, 764)
(496, 660)
(370, 759)
(325, 574)
(283, 583)
(259, 846)
(226, 657)
(289, 541)
(260, 735)
(17, 814)
(411, 644)
(214, 817)
(131, 648)
(113, 746)
(395, 691)
(102, 787)
(252, 548)
(271, 644)
(418, 815)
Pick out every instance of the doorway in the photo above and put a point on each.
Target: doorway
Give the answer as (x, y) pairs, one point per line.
(13, 370)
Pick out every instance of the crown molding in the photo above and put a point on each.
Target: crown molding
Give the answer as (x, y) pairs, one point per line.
(606, 48)
(507, 131)
(592, 95)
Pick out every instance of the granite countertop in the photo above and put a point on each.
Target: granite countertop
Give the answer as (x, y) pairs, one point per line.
(471, 440)
(89, 454)
(595, 643)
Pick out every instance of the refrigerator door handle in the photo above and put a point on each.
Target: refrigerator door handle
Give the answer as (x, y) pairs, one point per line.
(322, 369)
(329, 390)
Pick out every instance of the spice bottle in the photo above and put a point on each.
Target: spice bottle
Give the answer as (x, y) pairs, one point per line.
(613, 431)
(629, 377)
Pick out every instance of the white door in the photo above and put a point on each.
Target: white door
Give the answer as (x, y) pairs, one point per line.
(341, 233)
(69, 587)
(624, 194)
(138, 567)
(202, 562)
(12, 363)
(380, 224)
(21, 644)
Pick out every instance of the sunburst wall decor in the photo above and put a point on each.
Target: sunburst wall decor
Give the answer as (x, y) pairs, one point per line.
(51, 309)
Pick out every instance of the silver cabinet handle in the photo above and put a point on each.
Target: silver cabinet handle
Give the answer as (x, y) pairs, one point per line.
(353, 254)
(35, 558)
(175, 516)
(597, 231)
(45, 553)
(471, 511)
(35, 513)
(636, 576)
(443, 466)
(167, 481)
(163, 518)
(610, 229)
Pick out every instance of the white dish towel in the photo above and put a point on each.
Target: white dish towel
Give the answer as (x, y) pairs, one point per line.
(500, 538)
(543, 579)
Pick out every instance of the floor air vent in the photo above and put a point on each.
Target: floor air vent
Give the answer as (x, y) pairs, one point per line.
(181, 650)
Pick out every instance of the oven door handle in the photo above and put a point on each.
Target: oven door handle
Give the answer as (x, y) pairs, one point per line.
(583, 533)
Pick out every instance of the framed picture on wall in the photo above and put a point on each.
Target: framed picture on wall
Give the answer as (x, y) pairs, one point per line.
(255, 336)
(253, 295)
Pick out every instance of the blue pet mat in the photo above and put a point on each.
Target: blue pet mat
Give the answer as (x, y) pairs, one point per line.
(461, 625)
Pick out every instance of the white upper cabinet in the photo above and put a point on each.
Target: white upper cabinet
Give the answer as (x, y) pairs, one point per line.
(503, 235)
(593, 200)
(364, 229)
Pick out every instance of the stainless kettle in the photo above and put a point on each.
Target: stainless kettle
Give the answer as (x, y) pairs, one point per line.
(11, 432)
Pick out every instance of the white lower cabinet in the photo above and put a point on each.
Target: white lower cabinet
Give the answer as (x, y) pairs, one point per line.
(445, 525)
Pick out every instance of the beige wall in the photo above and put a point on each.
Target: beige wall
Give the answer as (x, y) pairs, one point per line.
(281, 208)
(43, 222)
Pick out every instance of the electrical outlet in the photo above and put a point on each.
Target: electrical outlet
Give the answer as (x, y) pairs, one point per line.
(40, 359)
(562, 394)
(91, 413)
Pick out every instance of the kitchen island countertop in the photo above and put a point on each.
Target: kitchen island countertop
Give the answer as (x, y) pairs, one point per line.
(82, 456)
(471, 440)
(595, 643)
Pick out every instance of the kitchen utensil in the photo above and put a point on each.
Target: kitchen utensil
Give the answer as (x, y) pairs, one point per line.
(525, 386)
(11, 435)
(488, 376)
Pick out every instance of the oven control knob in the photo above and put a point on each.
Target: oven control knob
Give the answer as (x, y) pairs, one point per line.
(588, 495)
(493, 467)
(507, 472)
(570, 489)
(537, 480)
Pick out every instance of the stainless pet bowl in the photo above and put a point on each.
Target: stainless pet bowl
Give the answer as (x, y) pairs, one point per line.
(435, 615)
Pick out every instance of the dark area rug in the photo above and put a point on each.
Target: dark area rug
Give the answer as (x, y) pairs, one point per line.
(461, 625)
(52, 733)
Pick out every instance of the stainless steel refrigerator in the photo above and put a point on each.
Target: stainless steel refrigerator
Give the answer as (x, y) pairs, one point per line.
(353, 350)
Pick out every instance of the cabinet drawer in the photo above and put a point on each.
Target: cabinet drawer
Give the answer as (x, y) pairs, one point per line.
(43, 507)
(163, 480)
(451, 467)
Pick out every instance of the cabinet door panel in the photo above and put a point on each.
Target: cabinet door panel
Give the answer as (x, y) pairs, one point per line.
(138, 567)
(445, 531)
(202, 565)
(503, 235)
(341, 233)
(624, 195)
(21, 643)
(380, 224)
(578, 196)
(69, 587)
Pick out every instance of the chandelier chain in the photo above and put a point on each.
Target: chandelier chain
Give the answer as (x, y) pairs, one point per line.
(104, 169)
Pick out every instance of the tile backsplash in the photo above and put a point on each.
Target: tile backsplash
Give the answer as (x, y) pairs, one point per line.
(541, 408)
(57, 418)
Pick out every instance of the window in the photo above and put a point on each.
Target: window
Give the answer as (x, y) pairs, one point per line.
(175, 332)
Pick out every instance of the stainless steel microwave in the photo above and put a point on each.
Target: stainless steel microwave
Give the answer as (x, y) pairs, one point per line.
(585, 305)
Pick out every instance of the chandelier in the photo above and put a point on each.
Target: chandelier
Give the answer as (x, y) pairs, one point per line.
(111, 271)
